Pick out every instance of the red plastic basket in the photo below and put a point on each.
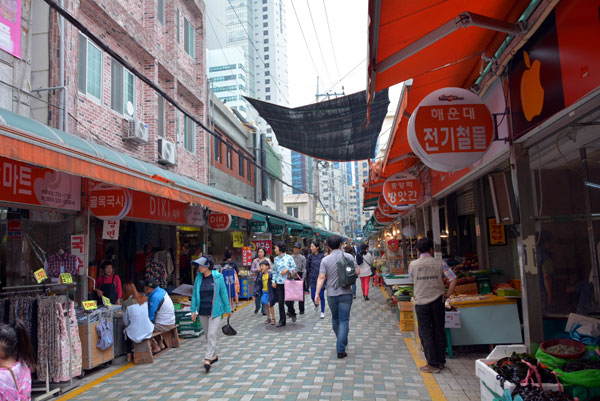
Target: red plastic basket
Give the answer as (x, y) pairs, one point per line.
(563, 341)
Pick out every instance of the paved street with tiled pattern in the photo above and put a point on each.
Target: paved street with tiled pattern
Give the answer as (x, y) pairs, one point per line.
(260, 364)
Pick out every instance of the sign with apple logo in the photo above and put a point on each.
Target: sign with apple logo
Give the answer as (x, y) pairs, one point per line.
(532, 92)
(535, 86)
(450, 129)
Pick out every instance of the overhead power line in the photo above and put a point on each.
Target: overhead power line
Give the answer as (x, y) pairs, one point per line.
(331, 40)
(304, 37)
(318, 41)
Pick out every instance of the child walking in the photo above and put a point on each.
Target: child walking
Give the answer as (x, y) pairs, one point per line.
(16, 362)
(267, 295)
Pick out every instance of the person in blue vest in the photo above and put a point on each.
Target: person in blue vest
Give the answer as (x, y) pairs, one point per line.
(161, 311)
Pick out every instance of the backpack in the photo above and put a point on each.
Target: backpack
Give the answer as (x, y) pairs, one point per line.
(346, 272)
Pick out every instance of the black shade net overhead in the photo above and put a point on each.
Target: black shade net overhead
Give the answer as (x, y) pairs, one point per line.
(334, 130)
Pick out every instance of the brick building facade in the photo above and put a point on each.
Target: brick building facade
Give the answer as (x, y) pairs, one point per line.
(162, 39)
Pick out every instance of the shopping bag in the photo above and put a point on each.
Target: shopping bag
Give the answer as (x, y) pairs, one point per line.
(228, 330)
(294, 290)
(264, 298)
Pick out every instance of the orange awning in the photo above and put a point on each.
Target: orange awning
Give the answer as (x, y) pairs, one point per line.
(32, 149)
(436, 43)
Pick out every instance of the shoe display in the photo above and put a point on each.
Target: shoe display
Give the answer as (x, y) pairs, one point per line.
(322, 315)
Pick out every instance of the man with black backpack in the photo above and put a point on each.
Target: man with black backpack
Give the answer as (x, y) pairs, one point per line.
(340, 270)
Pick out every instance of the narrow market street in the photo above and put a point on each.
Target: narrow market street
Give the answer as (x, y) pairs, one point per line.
(296, 363)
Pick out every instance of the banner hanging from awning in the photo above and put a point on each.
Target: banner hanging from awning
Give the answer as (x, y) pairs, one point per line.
(335, 130)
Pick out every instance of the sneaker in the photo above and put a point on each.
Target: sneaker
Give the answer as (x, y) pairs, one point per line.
(429, 369)
(322, 315)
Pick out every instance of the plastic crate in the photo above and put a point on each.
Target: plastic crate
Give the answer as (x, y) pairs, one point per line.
(405, 306)
(406, 315)
(407, 325)
(189, 326)
(509, 292)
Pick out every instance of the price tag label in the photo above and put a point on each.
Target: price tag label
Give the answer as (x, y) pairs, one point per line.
(66, 278)
(106, 301)
(40, 275)
(90, 305)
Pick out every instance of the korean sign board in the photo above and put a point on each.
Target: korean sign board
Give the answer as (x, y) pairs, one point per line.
(401, 190)
(450, 129)
(24, 183)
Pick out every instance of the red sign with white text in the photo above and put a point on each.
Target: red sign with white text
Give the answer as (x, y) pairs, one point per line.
(148, 207)
(401, 190)
(108, 202)
(382, 218)
(23, 183)
(266, 244)
(386, 209)
(246, 256)
(219, 221)
(450, 129)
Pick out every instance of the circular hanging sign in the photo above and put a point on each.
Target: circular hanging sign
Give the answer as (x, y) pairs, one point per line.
(108, 202)
(450, 129)
(401, 191)
(258, 227)
(219, 221)
(386, 209)
(382, 218)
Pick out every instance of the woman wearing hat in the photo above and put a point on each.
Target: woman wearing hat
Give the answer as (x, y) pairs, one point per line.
(210, 302)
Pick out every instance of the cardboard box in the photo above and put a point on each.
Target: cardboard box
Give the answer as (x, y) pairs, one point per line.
(453, 320)
(405, 306)
(407, 325)
(406, 315)
(470, 289)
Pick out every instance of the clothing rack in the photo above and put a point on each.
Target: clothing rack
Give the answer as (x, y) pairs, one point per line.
(34, 290)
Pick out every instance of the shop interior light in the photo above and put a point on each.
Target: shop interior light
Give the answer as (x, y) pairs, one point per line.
(444, 234)
(591, 184)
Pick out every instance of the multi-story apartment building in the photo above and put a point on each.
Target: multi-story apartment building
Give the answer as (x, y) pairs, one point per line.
(106, 102)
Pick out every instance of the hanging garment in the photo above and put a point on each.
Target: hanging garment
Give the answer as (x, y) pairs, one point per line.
(62, 263)
(64, 352)
(76, 353)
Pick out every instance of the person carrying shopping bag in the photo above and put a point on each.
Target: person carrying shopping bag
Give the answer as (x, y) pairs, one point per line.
(210, 302)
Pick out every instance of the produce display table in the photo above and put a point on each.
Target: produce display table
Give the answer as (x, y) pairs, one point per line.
(487, 320)
(396, 279)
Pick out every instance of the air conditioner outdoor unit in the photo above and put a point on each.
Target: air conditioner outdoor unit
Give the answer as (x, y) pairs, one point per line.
(136, 131)
(167, 152)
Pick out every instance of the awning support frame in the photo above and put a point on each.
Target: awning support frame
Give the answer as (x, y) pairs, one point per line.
(463, 20)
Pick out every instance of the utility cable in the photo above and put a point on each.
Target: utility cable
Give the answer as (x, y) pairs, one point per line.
(318, 41)
(304, 37)
(331, 39)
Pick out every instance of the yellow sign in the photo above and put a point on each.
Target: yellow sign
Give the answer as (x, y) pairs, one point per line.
(238, 239)
(497, 233)
(66, 278)
(106, 301)
(40, 275)
(89, 305)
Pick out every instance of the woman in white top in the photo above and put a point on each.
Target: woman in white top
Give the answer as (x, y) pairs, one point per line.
(365, 269)
(138, 326)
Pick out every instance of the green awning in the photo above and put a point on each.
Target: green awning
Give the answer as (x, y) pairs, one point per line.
(295, 226)
(259, 217)
(276, 222)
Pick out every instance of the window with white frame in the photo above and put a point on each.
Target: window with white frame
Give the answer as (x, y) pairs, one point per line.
(122, 89)
(89, 80)
(189, 130)
(188, 38)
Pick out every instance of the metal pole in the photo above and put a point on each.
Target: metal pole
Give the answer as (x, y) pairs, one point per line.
(594, 274)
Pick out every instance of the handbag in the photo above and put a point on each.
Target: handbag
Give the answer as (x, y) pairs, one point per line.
(294, 290)
(228, 330)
